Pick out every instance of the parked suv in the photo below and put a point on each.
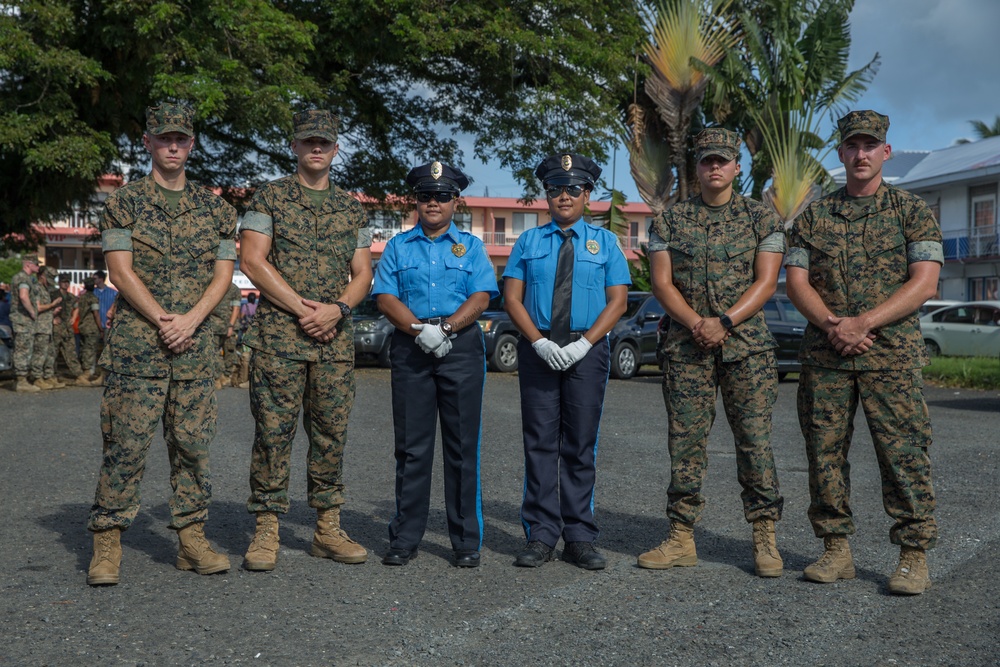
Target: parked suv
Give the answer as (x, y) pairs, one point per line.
(634, 338)
(785, 323)
(500, 336)
(372, 333)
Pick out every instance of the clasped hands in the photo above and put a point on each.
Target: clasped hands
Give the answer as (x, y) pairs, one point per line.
(850, 336)
(561, 358)
(709, 333)
(432, 340)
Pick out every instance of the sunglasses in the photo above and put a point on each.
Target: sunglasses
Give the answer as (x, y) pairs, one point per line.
(441, 197)
(573, 191)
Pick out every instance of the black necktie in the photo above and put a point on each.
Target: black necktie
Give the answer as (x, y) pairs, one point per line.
(562, 294)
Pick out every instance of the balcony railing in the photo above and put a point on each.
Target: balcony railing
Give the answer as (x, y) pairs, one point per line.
(979, 242)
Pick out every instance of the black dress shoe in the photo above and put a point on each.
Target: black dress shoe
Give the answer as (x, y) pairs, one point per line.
(534, 554)
(397, 556)
(466, 558)
(583, 554)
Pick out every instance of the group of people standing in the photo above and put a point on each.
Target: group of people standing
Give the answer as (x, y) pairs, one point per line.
(859, 262)
(45, 317)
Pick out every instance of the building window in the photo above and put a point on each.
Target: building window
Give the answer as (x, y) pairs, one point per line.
(984, 289)
(983, 232)
(463, 221)
(523, 221)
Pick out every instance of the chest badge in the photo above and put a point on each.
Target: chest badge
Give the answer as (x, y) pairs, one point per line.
(593, 247)
(458, 249)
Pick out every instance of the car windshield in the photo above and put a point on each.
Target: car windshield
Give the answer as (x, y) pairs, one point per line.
(634, 302)
(366, 308)
(793, 315)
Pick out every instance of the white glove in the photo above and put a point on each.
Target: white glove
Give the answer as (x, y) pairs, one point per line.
(443, 349)
(574, 352)
(548, 351)
(430, 337)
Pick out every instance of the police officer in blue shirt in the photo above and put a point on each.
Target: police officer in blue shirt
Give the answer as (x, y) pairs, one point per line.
(566, 286)
(432, 283)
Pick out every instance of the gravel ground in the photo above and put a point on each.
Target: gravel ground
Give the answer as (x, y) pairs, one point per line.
(317, 612)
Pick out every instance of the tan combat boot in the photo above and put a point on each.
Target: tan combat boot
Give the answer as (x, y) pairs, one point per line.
(107, 559)
(835, 563)
(911, 576)
(223, 381)
(676, 551)
(195, 553)
(766, 559)
(56, 382)
(24, 386)
(262, 555)
(97, 380)
(330, 541)
(43, 384)
(81, 381)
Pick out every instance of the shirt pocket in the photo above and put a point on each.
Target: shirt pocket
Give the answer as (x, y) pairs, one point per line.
(456, 274)
(588, 271)
(411, 277)
(741, 254)
(882, 241)
(537, 269)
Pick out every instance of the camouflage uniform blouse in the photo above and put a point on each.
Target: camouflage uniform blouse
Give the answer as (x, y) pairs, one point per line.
(69, 302)
(19, 316)
(173, 254)
(712, 256)
(88, 305)
(312, 249)
(40, 296)
(857, 257)
(221, 313)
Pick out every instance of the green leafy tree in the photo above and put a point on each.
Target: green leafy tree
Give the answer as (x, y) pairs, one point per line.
(982, 130)
(407, 77)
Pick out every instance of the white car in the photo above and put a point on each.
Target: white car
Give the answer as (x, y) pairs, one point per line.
(964, 330)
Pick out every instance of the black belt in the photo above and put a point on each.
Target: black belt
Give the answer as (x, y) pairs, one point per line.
(573, 335)
(434, 320)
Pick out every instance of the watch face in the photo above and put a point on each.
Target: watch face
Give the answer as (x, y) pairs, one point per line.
(446, 327)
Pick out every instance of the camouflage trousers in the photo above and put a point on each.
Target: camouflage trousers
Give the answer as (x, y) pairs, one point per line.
(893, 401)
(64, 343)
(89, 345)
(130, 411)
(229, 361)
(30, 353)
(749, 389)
(279, 389)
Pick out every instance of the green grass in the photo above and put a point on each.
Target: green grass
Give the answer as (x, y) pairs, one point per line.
(965, 372)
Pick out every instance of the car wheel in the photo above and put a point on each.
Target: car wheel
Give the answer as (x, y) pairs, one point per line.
(504, 359)
(624, 362)
(383, 356)
(933, 349)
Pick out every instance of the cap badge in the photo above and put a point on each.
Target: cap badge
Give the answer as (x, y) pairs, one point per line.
(593, 247)
(458, 249)
(436, 170)
(567, 162)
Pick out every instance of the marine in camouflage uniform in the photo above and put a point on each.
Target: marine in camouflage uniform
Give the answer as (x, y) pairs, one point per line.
(63, 338)
(90, 330)
(177, 238)
(715, 260)
(305, 245)
(47, 308)
(223, 320)
(860, 262)
(22, 321)
(48, 278)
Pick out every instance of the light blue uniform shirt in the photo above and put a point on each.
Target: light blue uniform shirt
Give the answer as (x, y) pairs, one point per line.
(433, 277)
(599, 263)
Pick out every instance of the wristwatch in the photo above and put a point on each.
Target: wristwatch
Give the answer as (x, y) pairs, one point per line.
(446, 328)
(345, 310)
(726, 321)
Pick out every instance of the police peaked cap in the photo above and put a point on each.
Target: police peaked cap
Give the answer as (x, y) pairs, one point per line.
(437, 177)
(568, 169)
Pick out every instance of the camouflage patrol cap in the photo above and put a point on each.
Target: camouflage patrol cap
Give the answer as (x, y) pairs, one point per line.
(717, 141)
(64, 278)
(316, 123)
(170, 117)
(50, 272)
(867, 122)
(89, 283)
(30, 258)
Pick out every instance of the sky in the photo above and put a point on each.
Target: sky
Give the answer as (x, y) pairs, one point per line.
(940, 68)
